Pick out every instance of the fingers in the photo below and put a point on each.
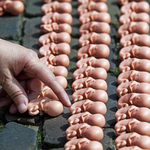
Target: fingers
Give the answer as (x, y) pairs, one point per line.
(34, 87)
(2, 93)
(47, 77)
(4, 102)
(16, 93)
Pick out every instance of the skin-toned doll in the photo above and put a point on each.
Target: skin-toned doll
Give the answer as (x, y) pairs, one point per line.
(139, 113)
(92, 61)
(132, 148)
(123, 2)
(94, 16)
(97, 6)
(98, 84)
(86, 117)
(55, 6)
(55, 49)
(12, 7)
(58, 70)
(88, 105)
(56, 17)
(63, 27)
(132, 139)
(47, 91)
(83, 144)
(94, 38)
(93, 26)
(135, 39)
(54, 37)
(135, 7)
(58, 60)
(133, 16)
(90, 93)
(84, 130)
(132, 125)
(137, 99)
(133, 27)
(13, 0)
(133, 75)
(48, 1)
(96, 73)
(133, 87)
(62, 80)
(135, 51)
(135, 64)
(87, 1)
(46, 105)
(96, 50)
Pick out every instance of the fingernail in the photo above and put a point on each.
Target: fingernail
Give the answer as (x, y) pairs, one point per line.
(69, 103)
(22, 108)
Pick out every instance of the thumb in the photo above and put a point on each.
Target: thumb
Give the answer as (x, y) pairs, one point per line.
(16, 92)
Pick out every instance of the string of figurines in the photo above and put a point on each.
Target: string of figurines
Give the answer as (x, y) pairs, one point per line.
(89, 86)
(54, 50)
(133, 115)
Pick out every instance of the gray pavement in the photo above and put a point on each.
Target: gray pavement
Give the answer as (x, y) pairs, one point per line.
(42, 131)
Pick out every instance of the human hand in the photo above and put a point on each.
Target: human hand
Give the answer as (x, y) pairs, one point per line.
(20, 73)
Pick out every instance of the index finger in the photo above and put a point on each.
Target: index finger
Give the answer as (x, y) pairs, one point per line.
(47, 77)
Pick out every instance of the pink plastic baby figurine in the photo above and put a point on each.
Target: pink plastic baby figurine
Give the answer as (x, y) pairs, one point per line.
(84, 130)
(97, 6)
(12, 7)
(83, 144)
(137, 99)
(96, 50)
(62, 80)
(55, 6)
(135, 39)
(62, 27)
(98, 84)
(135, 64)
(48, 1)
(92, 61)
(94, 38)
(133, 27)
(54, 37)
(133, 16)
(135, 7)
(132, 139)
(59, 60)
(46, 105)
(135, 51)
(123, 2)
(132, 125)
(94, 16)
(139, 113)
(90, 93)
(48, 92)
(133, 75)
(87, 1)
(133, 87)
(58, 70)
(93, 26)
(96, 73)
(86, 117)
(56, 17)
(55, 49)
(94, 107)
(132, 148)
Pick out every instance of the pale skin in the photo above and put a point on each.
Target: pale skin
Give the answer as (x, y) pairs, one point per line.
(19, 68)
